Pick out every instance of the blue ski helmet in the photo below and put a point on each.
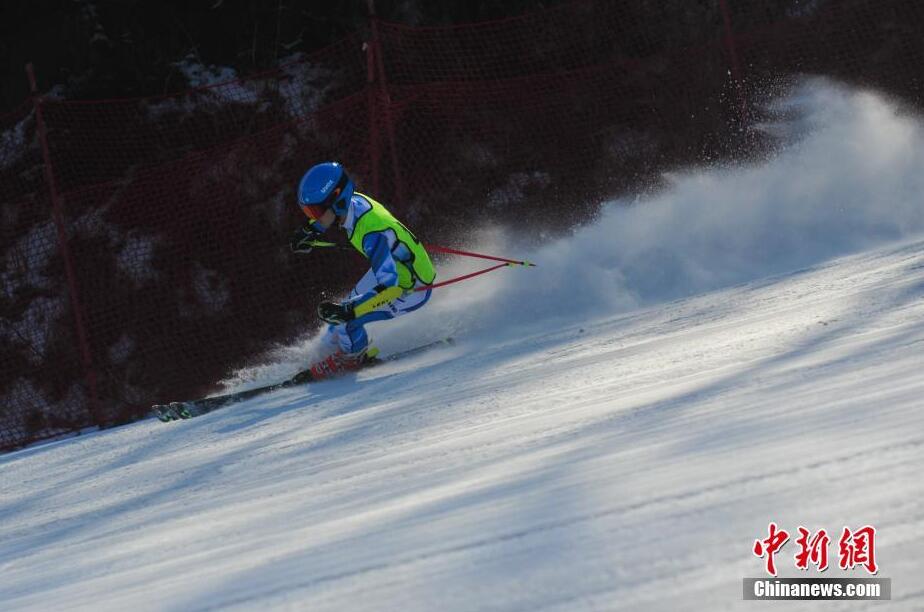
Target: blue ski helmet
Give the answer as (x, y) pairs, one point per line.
(325, 186)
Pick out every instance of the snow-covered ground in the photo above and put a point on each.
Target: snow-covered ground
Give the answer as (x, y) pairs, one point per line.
(628, 462)
(609, 435)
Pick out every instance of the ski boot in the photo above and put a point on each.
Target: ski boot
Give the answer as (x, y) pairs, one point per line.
(340, 363)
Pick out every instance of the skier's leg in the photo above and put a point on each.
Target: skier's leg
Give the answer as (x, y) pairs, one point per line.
(365, 284)
(411, 302)
(337, 337)
(355, 339)
(331, 341)
(351, 338)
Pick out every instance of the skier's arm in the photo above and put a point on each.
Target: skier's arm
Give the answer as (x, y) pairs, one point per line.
(378, 250)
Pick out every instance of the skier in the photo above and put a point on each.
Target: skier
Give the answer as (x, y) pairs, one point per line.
(397, 282)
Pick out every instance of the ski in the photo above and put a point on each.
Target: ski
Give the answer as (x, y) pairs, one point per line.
(176, 411)
(413, 351)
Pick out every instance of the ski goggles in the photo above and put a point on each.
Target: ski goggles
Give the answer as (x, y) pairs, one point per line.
(313, 211)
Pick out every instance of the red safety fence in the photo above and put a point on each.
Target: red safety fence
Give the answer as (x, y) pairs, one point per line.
(144, 241)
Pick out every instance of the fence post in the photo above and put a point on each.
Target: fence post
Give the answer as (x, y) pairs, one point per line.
(374, 148)
(376, 71)
(732, 48)
(71, 276)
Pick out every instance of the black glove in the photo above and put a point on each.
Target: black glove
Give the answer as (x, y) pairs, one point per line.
(336, 313)
(304, 236)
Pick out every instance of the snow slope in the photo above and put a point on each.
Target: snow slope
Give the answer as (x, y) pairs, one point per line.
(615, 437)
(629, 465)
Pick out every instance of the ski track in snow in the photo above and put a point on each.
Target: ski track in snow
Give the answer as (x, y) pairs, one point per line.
(624, 463)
